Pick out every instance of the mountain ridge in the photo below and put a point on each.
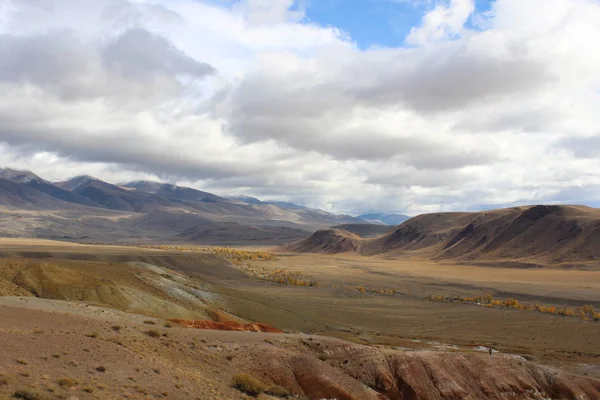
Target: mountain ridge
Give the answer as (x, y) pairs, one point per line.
(544, 234)
(87, 208)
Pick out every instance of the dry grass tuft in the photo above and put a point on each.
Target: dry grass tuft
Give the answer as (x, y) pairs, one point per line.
(153, 333)
(66, 382)
(27, 394)
(278, 391)
(248, 384)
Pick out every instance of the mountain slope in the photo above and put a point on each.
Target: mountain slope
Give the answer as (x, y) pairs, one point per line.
(17, 176)
(366, 230)
(30, 179)
(173, 192)
(329, 241)
(232, 232)
(255, 201)
(532, 234)
(21, 196)
(112, 196)
(550, 233)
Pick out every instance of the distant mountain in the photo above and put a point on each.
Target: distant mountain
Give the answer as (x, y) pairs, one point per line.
(28, 178)
(174, 192)
(246, 199)
(112, 196)
(255, 201)
(75, 182)
(17, 176)
(234, 233)
(387, 219)
(20, 196)
(87, 208)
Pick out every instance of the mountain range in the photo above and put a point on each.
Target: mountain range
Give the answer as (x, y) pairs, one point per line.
(527, 236)
(89, 209)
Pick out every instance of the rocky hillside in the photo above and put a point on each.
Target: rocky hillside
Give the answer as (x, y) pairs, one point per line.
(329, 241)
(542, 233)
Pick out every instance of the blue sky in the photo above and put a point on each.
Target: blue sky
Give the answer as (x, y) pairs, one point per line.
(375, 22)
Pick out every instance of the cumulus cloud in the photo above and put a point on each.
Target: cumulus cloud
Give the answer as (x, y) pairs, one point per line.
(251, 97)
(442, 22)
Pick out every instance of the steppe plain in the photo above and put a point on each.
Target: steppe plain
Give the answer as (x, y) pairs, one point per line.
(120, 300)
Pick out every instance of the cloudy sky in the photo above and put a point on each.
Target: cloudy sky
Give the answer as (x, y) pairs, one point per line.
(348, 105)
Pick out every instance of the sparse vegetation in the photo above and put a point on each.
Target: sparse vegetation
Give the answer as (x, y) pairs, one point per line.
(66, 382)
(28, 394)
(153, 333)
(228, 253)
(115, 341)
(248, 384)
(149, 322)
(585, 313)
(382, 292)
(116, 328)
(280, 276)
(278, 391)
(238, 256)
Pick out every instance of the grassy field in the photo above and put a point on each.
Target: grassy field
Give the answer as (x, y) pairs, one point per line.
(383, 301)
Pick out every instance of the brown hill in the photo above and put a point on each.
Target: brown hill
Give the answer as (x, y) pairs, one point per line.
(546, 233)
(530, 234)
(329, 241)
(366, 230)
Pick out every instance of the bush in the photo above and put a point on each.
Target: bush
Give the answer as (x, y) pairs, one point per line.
(153, 333)
(278, 391)
(66, 382)
(248, 384)
(28, 395)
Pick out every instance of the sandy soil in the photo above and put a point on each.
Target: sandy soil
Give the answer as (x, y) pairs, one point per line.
(64, 351)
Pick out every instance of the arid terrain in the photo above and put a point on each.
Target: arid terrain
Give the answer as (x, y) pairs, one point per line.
(83, 321)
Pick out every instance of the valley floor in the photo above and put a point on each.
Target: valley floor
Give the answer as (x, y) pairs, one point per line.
(377, 306)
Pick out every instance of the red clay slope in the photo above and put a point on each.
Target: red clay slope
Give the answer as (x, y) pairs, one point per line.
(228, 326)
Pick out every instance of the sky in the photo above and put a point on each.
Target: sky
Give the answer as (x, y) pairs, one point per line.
(351, 106)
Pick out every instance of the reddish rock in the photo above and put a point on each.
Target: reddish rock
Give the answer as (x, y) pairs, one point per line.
(228, 326)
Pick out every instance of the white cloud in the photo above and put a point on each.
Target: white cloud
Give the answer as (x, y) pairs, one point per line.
(254, 99)
(442, 22)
